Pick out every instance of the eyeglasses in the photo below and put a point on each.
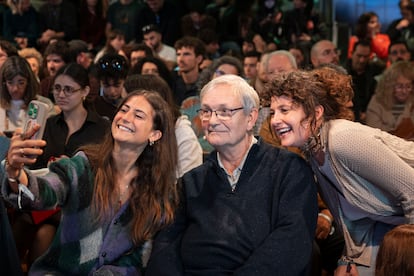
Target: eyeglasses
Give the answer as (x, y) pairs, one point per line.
(115, 64)
(221, 114)
(67, 90)
(149, 28)
(401, 86)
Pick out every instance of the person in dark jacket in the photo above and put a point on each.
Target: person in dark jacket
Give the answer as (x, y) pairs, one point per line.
(250, 209)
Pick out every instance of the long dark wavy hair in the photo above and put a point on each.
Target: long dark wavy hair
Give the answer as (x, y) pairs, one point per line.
(154, 197)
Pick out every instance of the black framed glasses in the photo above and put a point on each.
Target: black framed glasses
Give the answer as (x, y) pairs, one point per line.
(223, 114)
(67, 90)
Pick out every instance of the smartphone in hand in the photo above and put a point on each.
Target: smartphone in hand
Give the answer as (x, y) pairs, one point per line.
(36, 114)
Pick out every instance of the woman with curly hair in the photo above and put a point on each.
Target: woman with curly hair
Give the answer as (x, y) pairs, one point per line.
(114, 195)
(391, 108)
(365, 175)
(368, 28)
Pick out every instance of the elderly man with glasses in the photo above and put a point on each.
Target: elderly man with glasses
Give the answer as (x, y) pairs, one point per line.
(250, 209)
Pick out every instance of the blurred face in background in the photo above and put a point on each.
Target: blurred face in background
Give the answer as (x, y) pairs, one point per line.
(153, 40)
(16, 87)
(54, 63)
(34, 64)
(399, 52)
(149, 68)
(360, 58)
(250, 67)
(402, 89)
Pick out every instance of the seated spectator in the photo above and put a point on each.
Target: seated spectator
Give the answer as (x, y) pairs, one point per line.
(398, 51)
(162, 13)
(190, 154)
(363, 72)
(112, 72)
(56, 54)
(398, 26)
(93, 22)
(250, 61)
(153, 66)
(58, 20)
(190, 54)
(153, 39)
(211, 42)
(392, 106)
(20, 24)
(102, 191)
(74, 127)
(395, 255)
(35, 59)
(225, 65)
(324, 52)
(368, 28)
(19, 86)
(196, 20)
(6, 50)
(301, 56)
(303, 25)
(122, 15)
(115, 40)
(247, 198)
(139, 51)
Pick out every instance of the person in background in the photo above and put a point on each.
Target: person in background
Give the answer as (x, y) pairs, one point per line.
(92, 18)
(324, 52)
(137, 52)
(250, 209)
(153, 39)
(122, 15)
(58, 20)
(368, 28)
(211, 43)
(190, 54)
(397, 27)
(162, 13)
(35, 59)
(102, 190)
(6, 50)
(112, 72)
(190, 154)
(250, 61)
(395, 255)
(115, 40)
(20, 24)
(19, 86)
(153, 66)
(363, 74)
(392, 106)
(56, 55)
(398, 51)
(356, 166)
(301, 55)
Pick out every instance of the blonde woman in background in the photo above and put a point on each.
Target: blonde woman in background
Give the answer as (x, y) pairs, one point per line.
(391, 108)
(35, 60)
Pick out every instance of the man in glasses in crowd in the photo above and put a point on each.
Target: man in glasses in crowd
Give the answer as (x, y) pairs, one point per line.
(249, 209)
(112, 72)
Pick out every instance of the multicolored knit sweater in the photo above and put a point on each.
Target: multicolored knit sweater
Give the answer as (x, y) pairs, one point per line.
(81, 245)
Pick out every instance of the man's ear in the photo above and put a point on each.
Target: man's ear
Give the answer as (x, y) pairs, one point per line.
(252, 118)
(199, 59)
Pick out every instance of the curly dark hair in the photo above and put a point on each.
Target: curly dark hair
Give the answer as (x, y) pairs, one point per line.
(325, 86)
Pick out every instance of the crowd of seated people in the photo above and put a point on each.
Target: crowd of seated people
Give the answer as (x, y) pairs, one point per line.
(187, 44)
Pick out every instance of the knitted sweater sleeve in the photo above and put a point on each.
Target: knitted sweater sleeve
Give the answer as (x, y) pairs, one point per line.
(376, 164)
